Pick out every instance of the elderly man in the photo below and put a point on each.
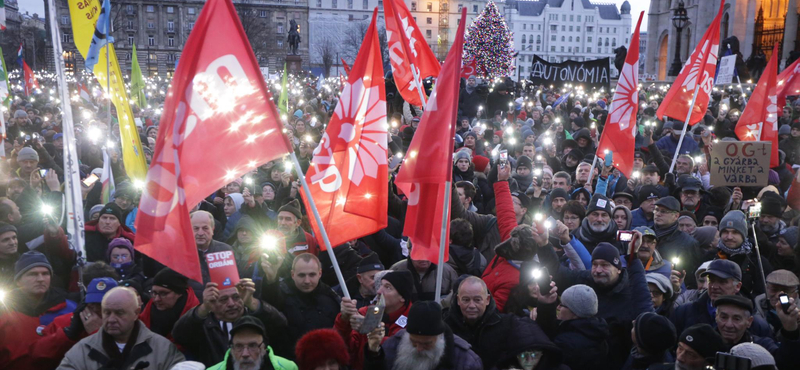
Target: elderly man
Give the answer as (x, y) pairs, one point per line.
(250, 350)
(735, 246)
(691, 194)
(297, 240)
(697, 349)
(362, 286)
(123, 342)
(170, 298)
(770, 222)
(424, 273)
(597, 226)
(101, 232)
(421, 345)
(778, 282)
(735, 315)
(643, 216)
(204, 331)
(203, 229)
(673, 243)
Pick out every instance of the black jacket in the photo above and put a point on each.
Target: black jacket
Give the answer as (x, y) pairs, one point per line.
(489, 336)
(348, 260)
(457, 354)
(682, 245)
(752, 282)
(526, 335)
(585, 341)
(696, 312)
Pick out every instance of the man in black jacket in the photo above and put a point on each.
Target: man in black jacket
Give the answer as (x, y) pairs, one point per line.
(673, 243)
(735, 245)
(471, 98)
(597, 226)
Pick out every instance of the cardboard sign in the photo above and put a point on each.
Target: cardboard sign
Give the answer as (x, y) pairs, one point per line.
(740, 163)
(222, 269)
(727, 67)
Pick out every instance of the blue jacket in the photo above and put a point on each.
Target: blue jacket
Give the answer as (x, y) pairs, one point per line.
(669, 144)
(638, 219)
(697, 312)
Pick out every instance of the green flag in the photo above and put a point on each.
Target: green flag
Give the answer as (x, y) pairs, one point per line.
(568, 135)
(137, 83)
(283, 101)
(5, 92)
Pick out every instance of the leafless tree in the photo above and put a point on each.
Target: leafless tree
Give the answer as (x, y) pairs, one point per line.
(255, 27)
(326, 51)
(354, 36)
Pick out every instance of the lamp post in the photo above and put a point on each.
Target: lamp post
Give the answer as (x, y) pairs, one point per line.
(679, 20)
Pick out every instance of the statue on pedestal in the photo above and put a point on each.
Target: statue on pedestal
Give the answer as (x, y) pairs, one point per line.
(294, 37)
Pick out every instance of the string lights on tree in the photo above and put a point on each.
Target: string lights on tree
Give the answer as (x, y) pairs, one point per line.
(490, 43)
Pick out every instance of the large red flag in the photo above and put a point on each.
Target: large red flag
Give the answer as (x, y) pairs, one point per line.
(788, 84)
(700, 68)
(761, 113)
(619, 133)
(428, 161)
(30, 79)
(219, 122)
(348, 174)
(408, 51)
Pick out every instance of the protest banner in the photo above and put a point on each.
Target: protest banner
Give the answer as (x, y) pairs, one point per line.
(590, 73)
(727, 67)
(222, 269)
(737, 163)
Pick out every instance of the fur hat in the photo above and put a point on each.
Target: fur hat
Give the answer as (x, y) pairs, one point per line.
(316, 347)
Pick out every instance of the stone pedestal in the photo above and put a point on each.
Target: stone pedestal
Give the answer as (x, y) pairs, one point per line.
(294, 63)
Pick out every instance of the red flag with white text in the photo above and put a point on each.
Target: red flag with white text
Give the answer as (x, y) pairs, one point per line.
(700, 69)
(408, 51)
(30, 79)
(788, 84)
(759, 121)
(619, 133)
(219, 122)
(468, 69)
(428, 160)
(349, 171)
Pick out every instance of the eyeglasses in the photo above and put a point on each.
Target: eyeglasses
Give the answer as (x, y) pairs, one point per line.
(161, 295)
(251, 347)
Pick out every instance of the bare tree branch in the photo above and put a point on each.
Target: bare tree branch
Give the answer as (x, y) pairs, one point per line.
(326, 51)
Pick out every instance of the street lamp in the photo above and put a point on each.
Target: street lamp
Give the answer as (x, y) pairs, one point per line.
(679, 20)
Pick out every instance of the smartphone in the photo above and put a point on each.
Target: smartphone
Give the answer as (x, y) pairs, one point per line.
(624, 236)
(727, 361)
(89, 180)
(754, 211)
(538, 170)
(503, 159)
(542, 277)
(373, 317)
(42, 172)
(396, 159)
(784, 302)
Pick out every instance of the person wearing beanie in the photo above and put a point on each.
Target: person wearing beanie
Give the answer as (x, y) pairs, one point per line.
(580, 334)
(362, 285)
(462, 166)
(706, 237)
(170, 298)
(558, 199)
(321, 348)
(697, 349)
(122, 258)
(734, 245)
(471, 142)
(297, 240)
(250, 348)
(760, 358)
(669, 143)
(647, 196)
(397, 289)
(598, 225)
(481, 163)
(28, 160)
(421, 344)
(785, 254)
(653, 336)
(109, 226)
(523, 173)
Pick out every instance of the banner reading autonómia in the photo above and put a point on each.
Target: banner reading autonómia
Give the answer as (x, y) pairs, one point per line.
(590, 74)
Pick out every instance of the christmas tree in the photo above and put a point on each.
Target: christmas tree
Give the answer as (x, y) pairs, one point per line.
(490, 43)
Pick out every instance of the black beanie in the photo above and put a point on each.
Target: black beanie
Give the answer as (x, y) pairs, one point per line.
(599, 202)
(704, 340)
(292, 207)
(524, 161)
(403, 283)
(370, 263)
(168, 278)
(425, 318)
(607, 252)
(114, 210)
(559, 193)
(654, 333)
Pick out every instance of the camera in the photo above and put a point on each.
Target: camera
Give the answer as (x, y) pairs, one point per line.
(754, 211)
(624, 236)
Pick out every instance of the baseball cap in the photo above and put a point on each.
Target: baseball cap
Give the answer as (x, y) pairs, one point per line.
(724, 269)
(98, 288)
(248, 321)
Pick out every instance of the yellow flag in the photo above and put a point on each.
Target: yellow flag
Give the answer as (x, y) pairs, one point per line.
(84, 14)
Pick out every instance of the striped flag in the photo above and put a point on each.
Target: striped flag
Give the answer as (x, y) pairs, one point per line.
(2, 15)
(5, 92)
(83, 92)
(100, 37)
(107, 179)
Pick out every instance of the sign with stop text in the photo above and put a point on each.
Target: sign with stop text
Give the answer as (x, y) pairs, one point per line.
(740, 163)
(222, 269)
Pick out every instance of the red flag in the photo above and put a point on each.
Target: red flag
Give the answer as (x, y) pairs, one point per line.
(219, 122)
(468, 69)
(346, 67)
(348, 173)
(761, 113)
(788, 84)
(408, 51)
(30, 79)
(699, 68)
(619, 133)
(428, 162)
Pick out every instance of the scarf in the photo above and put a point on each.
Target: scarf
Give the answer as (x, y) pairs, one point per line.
(660, 233)
(26, 306)
(744, 249)
(116, 359)
(591, 238)
(470, 89)
(161, 322)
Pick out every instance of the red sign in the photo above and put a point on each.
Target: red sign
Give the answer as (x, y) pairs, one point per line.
(222, 268)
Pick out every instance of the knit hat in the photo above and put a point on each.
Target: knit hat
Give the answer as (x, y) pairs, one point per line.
(29, 260)
(170, 279)
(403, 283)
(112, 209)
(119, 243)
(734, 220)
(316, 347)
(524, 161)
(425, 318)
(370, 263)
(705, 235)
(772, 205)
(189, 365)
(95, 209)
(581, 300)
(607, 252)
(599, 202)
(4, 228)
(480, 163)
(20, 114)
(791, 234)
(526, 131)
(98, 288)
(523, 199)
(292, 207)
(757, 354)
(661, 282)
(26, 154)
(703, 339)
(461, 154)
(654, 333)
(773, 178)
(648, 192)
(559, 193)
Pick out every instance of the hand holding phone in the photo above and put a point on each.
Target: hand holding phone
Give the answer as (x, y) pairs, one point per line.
(89, 180)
(785, 303)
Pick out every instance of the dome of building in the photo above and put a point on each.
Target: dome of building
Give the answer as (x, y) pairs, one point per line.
(625, 8)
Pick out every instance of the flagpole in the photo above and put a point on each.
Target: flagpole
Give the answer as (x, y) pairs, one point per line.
(108, 68)
(442, 240)
(591, 171)
(320, 225)
(685, 124)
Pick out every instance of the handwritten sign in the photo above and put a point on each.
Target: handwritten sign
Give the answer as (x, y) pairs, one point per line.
(590, 73)
(222, 269)
(740, 163)
(727, 68)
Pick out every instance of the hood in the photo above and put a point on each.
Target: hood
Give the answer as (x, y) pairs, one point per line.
(529, 336)
(593, 328)
(627, 212)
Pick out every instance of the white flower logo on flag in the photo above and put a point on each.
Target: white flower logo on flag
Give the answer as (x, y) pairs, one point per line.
(363, 118)
(772, 112)
(695, 70)
(626, 97)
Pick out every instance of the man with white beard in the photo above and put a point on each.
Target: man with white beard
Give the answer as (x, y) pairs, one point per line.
(697, 348)
(598, 226)
(426, 343)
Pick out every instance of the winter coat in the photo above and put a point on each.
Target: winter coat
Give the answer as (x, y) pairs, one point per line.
(584, 341)
(214, 247)
(682, 245)
(146, 317)
(50, 349)
(149, 347)
(699, 312)
(489, 230)
(348, 260)
(590, 238)
(466, 260)
(786, 353)
(752, 283)
(489, 336)
(425, 285)
(638, 219)
(669, 144)
(357, 343)
(457, 354)
(205, 341)
(526, 335)
(468, 103)
(503, 273)
(277, 362)
(97, 244)
(304, 311)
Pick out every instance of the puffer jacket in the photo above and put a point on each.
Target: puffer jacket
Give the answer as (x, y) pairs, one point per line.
(584, 340)
(457, 354)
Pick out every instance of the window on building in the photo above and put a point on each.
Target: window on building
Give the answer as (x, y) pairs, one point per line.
(127, 56)
(615, 29)
(151, 41)
(523, 39)
(563, 17)
(262, 13)
(65, 19)
(280, 44)
(538, 48)
(538, 39)
(129, 9)
(539, 27)
(474, 8)
(429, 6)
(571, 18)
(578, 28)
(170, 9)
(428, 33)
(170, 57)
(349, 4)
(589, 49)
(553, 28)
(600, 42)
(150, 9)
(429, 20)
(191, 10)
(130, 40)
(579, 18)
(606, 41)
(191, 25)
(460, 6)
(280, 25)
(569, 49)
(151, 25)
(66, 38)
(562, 49)
(131, 25)
(589, 29)
(570, 28)
(553, 38)
(334, 3)
(365, 4)
(613, 42)
(577, 39)
(570, 39)
(588, 38)
(563, 28)
(563, 39)
(170, 26)
(552, 48)
(170, 41)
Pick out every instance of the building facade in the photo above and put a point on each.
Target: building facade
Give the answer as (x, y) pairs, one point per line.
(560, 30)
(758, 24)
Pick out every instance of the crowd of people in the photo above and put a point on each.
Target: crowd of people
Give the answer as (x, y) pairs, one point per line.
(556, 261)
